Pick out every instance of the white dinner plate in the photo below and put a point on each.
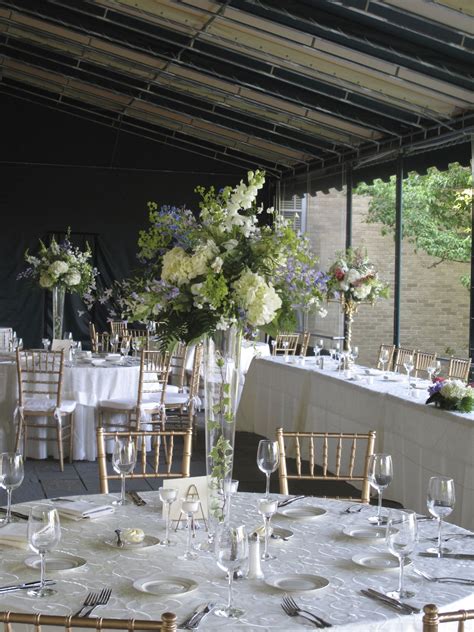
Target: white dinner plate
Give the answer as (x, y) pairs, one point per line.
(279, 533)
(366, 533)
(302, 513)
(296, 582)
(165, 585)
(56, 562)
(382, 561)
(148, 540)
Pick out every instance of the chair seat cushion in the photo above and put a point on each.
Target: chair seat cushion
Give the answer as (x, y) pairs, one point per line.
(38, 405)
(176, 399)
(118, 404)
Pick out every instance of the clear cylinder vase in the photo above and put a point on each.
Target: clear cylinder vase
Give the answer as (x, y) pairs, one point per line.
(58, 311)
(221, 387)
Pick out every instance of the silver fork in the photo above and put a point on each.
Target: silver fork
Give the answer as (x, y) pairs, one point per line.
(444, 580)
(90, 600)
(102, 600)
(292, 609)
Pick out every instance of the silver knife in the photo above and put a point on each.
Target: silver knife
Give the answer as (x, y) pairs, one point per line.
(406, 607)
(288, 501)
(25, 585)
(198, 615)
(451, 556)
(17, 514)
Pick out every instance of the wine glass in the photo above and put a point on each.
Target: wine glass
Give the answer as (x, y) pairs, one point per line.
(285, 349)
(125, 346)
(267, 508)
(11, 477)
(384, 358)
(124, 458)
(114, 342)
(408, 364)
(232, 552)
(355, 353)
(189, 508)
(136, 345)
(380, 477)
(167, 496)
(401, 539)
(44, 533)
(268, 458)
(433, 369)
(440, 501)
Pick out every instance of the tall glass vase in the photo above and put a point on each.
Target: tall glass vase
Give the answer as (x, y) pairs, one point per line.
(221, 386)
(59, 293)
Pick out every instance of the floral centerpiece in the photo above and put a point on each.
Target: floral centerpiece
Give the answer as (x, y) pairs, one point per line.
(451, 395)
(234, 267)
(353, 280)
(60, 267)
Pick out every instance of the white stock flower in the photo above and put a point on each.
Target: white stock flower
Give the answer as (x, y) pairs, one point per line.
(259, 300)
(72, 278)
(57, 268)
(46, 280)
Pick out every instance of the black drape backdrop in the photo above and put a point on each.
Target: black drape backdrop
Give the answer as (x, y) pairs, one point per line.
(59, 171)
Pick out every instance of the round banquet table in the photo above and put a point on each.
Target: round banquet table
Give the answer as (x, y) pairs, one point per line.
(83, 382)
(318, 547)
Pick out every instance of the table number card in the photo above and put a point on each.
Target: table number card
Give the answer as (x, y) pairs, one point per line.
(192, 487)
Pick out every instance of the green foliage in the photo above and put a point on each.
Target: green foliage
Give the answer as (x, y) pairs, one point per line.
(437, 210)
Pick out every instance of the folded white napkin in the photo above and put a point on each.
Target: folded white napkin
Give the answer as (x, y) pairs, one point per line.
(14, 534)
(79, 509)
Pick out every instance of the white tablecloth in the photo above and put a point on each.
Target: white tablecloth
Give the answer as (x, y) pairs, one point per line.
(249, 351)
(318, 547)
(423, 441)
(84, 383)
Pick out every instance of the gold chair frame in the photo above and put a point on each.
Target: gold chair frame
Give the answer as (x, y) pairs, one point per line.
(40, 373)
(423, 360)
(459, 368)
(305, 336)
(177, 372)
(432, 617)
(336, 439)
(401, 354)
(166, 624)
(174, 410)
(118, 327)
(286, 338)
(161, 439)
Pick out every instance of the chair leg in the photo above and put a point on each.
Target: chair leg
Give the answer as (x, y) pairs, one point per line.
(71, 438)
(59, 439)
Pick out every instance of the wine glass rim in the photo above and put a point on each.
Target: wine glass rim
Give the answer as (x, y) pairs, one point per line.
(441, 478)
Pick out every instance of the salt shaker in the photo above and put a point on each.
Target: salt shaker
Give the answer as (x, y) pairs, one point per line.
(255, 568)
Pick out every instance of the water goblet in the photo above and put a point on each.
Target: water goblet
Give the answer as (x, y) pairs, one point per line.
(189, 508)
(401, 539)
(440, 501)
(268, 458)
(125, 346)
(408, 364)
(44, 533)
(432, 369)
(267, 508)
(232, 552)
(167, 496)
(384, 358)
(124, 458)
(354, 353)
(380, 477)
(11, 477)
(46, 342)
(114, 342)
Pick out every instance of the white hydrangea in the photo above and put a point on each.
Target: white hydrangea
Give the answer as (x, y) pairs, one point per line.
(46, 280)
(200, 259)
(259, 299)
(454, 389)
(353, 275)
(72, 278)
(57, 268)
(362, 291)
(177, 267)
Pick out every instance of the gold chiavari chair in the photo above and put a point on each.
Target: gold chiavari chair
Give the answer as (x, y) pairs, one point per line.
(390, 349)
(100, 341)
(401, 356)
(305, 336)
(339, 452)
(458, 368)
(6, 338)
(40, 379)
(423, 360)
(184, 404)
(141, 335)
(118, 327)
(165, 443)
(432, 618)
(149, 403)
(167, 623)
(177, 374)
(286, 343)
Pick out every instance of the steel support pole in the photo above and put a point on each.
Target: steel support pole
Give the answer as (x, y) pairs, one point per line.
(348, 226)
(471, 314)
(398, 250)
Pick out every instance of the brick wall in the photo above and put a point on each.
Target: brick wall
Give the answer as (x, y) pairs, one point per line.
(434, 305)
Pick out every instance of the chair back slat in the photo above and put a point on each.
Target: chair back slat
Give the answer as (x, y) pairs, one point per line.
(423, 360)
(118, 327)
(304, 342)
(401, 356)
(459, 368)
(285, 343)
(40, 373)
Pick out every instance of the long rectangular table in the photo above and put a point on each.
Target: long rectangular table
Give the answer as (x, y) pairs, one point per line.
(423, 441)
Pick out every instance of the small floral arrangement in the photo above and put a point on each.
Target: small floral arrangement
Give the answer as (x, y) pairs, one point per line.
(451, 395)
(61, 265)
(354, 279)
(227, 267)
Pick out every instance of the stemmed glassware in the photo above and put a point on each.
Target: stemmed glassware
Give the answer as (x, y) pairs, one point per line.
(401, 540)
(11, 477)
(380, 477)
(440, 501)
(167, 496)
(232, 552)
(384, 357)
(433, 369)
(408, 364)
(189, 508)
(267, 508)
(44, 533)
(285, 349)
(354, 353)
(125, 346)
(46, 343)
(124, 458)
(114, 342)
(268, 458)
(136, 345)
(229, 487)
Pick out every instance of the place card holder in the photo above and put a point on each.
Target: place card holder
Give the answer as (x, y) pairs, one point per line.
(192, 494)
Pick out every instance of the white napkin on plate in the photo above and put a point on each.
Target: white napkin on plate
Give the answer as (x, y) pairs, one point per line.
(14, 534)
(80, 509)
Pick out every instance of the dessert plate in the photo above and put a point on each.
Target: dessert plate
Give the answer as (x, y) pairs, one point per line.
(302, 513)
(296, 582)
(366, 533)
(56, 562)
(148, 540)
(165, 585)
(382, 561)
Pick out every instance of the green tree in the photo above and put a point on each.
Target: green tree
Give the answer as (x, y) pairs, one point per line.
(437, 210)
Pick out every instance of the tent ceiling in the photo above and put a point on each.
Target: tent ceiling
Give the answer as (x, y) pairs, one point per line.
(288, 86)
